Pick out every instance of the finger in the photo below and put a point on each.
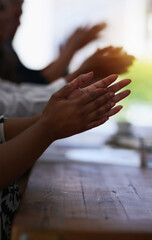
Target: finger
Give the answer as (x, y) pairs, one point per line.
(83, 78)
(66, 90)
(80, 80)
(90, 96)
(105, 82)
(97, 28)
(117, 50)
(127, 60)
(98, 102)
(100, 112)
(114, 111)
(121, 96)
(119, 85)
(126, 55)
(104, 50)
(97, 123)
(100, 26)
(124, 60)
(69, 88)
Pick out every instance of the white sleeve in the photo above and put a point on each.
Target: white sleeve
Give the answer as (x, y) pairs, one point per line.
(26, 99)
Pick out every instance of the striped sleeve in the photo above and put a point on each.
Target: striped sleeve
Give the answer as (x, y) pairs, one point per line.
(2, 138)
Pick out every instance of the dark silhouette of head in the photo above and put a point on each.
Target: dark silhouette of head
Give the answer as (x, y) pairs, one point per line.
(10, 12)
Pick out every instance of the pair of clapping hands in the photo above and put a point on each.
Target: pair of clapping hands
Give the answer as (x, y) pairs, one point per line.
(73, 110)
(103, 62)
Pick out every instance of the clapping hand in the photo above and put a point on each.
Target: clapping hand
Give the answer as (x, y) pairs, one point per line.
(73, 110)
(107, 61)
(82, 36)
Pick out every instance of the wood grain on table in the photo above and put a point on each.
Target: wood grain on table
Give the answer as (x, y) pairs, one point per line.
(86, 202)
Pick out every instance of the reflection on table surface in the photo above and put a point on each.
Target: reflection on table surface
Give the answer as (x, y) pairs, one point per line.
(111, 143)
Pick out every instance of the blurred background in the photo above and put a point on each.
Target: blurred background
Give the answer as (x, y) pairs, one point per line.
(45, 24)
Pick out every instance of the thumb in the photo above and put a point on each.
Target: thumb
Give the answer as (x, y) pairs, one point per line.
(82, 79)
(73, 85)
(66, 90)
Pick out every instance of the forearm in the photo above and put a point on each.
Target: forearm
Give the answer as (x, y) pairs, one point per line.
(15, 126)
(20, 153)
(58, 68)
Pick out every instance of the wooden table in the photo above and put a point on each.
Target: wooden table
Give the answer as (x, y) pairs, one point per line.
(71, 201)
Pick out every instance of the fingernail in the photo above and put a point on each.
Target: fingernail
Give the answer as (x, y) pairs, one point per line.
(120, 106)
(89, 73)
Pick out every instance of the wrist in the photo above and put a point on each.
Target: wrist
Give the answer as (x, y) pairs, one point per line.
(69, 50)
(45, 125)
